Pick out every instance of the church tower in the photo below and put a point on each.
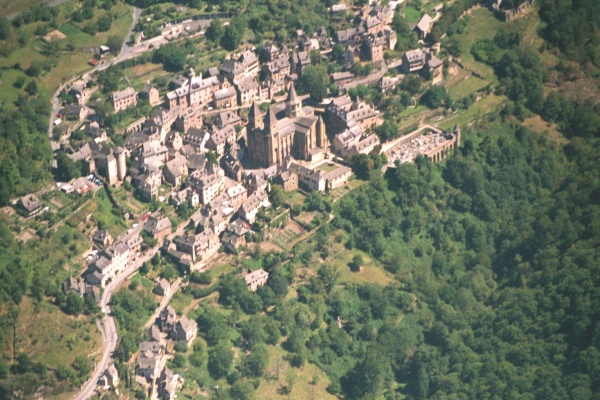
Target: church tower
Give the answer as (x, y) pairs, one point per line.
(255, 118)
(293, 105)
(271, 122)
(272, 138)
(121, 163)
(322, 140)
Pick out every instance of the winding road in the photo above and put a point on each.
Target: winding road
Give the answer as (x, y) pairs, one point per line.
(107, 324)
(127, 52)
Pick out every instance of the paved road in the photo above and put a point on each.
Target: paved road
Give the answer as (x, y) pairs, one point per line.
(127, 52)
(108, 327)
(163, 303)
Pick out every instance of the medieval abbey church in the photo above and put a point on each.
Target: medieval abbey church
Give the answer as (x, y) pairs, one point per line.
(286, 130)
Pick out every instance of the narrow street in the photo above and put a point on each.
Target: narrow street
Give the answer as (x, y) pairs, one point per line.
(107, 324)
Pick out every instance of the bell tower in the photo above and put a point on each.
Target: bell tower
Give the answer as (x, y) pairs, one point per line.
(293, 105)
(255, 117)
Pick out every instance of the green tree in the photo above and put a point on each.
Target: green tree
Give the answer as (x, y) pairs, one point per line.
(31, 88)
(242, 390)
(215, 31)
(231, 38)
(356, 263)
(4, 28)
(64, 373)
(314, 81)
(114, 43)
(256, 362)
(387, 131)
(74, 304)
(82, 365)
(276, 196)
(220, 359)
(436, 96)
(172, 56)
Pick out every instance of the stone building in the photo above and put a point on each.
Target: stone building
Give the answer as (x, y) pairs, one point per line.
(286, 131)
(124, 99)
(151, 94)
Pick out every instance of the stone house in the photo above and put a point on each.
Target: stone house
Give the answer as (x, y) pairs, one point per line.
(256, 278)
(166, 319)
(151, 94)
(252, 205)
(225, 98)
(288, 180)
(338, 177)
(162, 288)
(124, 99)
(308, 179)
(102, 237)
(31, 204)
(237, 195)
(247, 90)
(148, 361)
(207, 184)
(185, 329)
(235, 235)
(188, 119)
(158, 228)
(109, 378)
(424, 26)
(110, 263)
(175, 170)
(413, 61)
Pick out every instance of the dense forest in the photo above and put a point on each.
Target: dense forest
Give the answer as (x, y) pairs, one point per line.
(500, 249)
(573, 27)
(25, 152)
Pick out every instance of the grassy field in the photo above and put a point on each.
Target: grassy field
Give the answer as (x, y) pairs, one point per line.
(309, 381)
(50, 336)
(486, 105)
(7, 79)
(369, 272)
(469, 85)
(8, 7)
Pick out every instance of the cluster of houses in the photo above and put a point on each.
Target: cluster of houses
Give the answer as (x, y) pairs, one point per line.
(350, 121)
(149, 365)
(150, 369)
(373, 30)
(170, 154)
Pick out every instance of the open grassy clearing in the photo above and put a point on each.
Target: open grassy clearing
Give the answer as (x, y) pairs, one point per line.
(180, 301)
(12, 6)
(370, 272)
(537, 124)
(486, 105)
(469, 85)
(48, 335)
(8, 78)
(302, 389)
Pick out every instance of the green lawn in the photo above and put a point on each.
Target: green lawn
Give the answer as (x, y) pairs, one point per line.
(327, 167)
(486, 105)
(467, 86)
(180, 301)
(7, 78)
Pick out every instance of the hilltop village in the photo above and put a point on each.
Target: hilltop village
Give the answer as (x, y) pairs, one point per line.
(221, 162)
(274, 199)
